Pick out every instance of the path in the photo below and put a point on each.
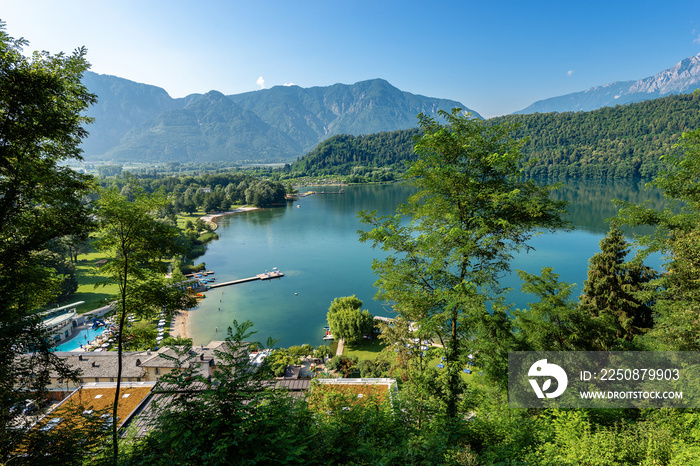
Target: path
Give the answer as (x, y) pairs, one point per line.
(341, 347)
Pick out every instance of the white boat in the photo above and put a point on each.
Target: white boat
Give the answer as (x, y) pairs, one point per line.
(328, 337)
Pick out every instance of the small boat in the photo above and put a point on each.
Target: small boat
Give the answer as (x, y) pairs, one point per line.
(328, 337)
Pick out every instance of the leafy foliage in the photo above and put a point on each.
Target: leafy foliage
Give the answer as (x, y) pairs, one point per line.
(470, 214)
(609, 293)
(613, 142)
(347, 321)
(238, 419)
(137, 244)
(41, 200)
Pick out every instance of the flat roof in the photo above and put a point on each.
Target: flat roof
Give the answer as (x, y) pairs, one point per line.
(50, 322)
(99, 397)
(67, 306)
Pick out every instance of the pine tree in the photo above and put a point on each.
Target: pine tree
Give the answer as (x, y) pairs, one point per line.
(610, 292)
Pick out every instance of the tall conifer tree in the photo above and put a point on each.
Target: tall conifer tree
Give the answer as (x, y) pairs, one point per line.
(610, 292)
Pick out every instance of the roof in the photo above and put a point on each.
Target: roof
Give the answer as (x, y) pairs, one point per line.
(292, 372)
(59, 319)
(102, 364)
(99, 397)
(293, 384)
(356, 391)
(134, 363)
(62, 308)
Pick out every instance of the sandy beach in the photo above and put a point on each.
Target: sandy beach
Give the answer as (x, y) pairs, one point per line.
(179, 326)
(211, 218)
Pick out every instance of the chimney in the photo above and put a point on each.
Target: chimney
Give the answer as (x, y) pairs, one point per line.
(94, 364)
(201, 356)
(138, 362)
(80, 357)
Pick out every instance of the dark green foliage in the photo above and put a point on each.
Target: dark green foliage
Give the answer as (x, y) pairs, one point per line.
(137, 244)
(361, 158)
(612, 142)
(41, 200)
(237, 420)
(609, 293)
(264, 193)
(619, 142)
(556, 322)
(676, 234)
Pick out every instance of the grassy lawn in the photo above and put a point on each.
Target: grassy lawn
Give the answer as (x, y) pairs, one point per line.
(365, 349)
(182, 218)
(87, 274)
(465, 377)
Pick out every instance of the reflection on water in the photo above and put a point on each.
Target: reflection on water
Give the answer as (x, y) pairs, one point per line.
(315, 245)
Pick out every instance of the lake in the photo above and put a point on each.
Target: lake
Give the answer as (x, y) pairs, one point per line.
(314, 242)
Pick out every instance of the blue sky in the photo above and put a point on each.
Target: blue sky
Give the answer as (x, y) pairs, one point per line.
(495, 57)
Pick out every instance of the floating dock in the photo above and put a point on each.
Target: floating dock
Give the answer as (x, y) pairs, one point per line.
(260, 276)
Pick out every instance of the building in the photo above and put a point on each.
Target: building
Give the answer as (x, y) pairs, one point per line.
(96, 399)
(137, 366)
(350, 393)
(62, 321)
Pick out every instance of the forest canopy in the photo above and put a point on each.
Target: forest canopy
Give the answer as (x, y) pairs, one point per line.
(612, 142)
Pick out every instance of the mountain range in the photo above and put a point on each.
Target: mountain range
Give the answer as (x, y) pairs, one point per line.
(682, 78)
(139, 122)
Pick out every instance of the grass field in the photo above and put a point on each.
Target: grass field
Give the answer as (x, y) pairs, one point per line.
(183, 218)
(365, 349)
(87, 274)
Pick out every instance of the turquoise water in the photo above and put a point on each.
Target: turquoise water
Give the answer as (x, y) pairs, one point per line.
(316, 246)
(82, 337)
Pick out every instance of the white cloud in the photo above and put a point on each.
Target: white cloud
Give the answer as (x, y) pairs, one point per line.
(261, 82)
(696, 40)
(289, 84)
(570, 73)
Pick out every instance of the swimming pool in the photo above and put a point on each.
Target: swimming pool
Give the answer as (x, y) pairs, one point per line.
(82, 337)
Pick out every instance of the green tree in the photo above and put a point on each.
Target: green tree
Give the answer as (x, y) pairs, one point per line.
(347, 320)
(42, 105)
(234, 419)
(611, 290)
(137, 244)
(677, 236)
(262, 193)
(471, 213)
(556, 322)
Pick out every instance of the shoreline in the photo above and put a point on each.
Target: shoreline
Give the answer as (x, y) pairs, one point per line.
(179, 325)
(180, 322)
(210, 219)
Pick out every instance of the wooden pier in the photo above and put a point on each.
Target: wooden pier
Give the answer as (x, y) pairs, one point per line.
(260, 276)
(311, 193)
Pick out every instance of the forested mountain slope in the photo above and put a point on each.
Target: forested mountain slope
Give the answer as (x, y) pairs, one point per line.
(612, 142)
